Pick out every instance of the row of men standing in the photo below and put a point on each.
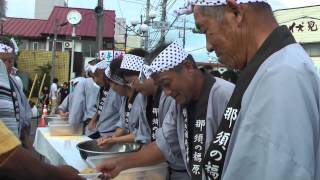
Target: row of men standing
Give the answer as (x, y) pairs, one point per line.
(267, 127)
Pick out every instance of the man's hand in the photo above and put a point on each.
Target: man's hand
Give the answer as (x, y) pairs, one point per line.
(119, 132)
(67, 173)
(93, 122)
(112, 167)
(106, 141)
(63, 114)
(92, 125)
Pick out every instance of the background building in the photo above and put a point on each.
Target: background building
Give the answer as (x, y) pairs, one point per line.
(35, 40)
(121, 29)
(304, 24)
(43, 8)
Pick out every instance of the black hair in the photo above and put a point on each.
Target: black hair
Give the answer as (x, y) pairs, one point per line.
(55, 80)
(137, 52)
(94, 61)
(154, 53)
(5, 40)
(230, 75)
(216, 74)
(115, 67)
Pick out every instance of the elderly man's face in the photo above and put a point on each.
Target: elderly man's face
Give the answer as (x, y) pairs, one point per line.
(222, 36)
(133, 82)
(7, 59)
(147, 87)
(98, 77)
(178, 85)
(119, 89)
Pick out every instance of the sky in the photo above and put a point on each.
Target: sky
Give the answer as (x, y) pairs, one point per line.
(132, 9)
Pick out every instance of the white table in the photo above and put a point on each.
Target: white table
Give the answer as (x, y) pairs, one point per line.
(60, 150)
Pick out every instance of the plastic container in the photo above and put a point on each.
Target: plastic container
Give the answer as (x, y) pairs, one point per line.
(55, 118)
(60, 128)
(156, 172)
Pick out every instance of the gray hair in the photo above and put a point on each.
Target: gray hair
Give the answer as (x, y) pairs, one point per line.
(219, 11)
(213, 11)
(3, 8)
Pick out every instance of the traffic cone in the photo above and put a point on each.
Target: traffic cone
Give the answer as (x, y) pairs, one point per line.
(42, 122)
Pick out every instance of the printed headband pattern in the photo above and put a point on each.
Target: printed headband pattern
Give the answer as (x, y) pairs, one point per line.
(187, 9)
(169, 58)
(132, 62)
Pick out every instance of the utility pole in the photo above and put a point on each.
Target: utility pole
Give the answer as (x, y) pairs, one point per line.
(99, 18)
(184, 33)
(163, 19)
(72, 52)
(125, 39)
(53, 60)
(146, 39)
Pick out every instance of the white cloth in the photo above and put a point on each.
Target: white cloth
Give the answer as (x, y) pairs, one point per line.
(16, 48)
(169, 58)
(102, 65)
(53, 91)
(188, 9)
(5, 48)
(132, 62)
(60, 150)
(19, 81)
(220, 2)
(107, 72)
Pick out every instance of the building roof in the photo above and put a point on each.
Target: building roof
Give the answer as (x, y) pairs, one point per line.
(302, 7)
(86, 28)
(31, 28)
(36, 28)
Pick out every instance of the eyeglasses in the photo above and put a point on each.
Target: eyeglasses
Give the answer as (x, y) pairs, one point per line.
(130, 84)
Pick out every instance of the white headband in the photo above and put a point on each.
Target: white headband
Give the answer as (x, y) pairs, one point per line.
(118, 80)
(5, 48)
(107, 72)
(88, 68)
(145, 72)
(75, 80)
(188, 8)
(169, 58)
(114, 78)
(16, 48)
(132, 62)
(102, 65)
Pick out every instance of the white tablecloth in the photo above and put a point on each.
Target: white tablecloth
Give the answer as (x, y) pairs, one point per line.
(60, 150)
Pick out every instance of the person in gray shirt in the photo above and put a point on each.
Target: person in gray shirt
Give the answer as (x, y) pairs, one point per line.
(271, 126)
(200, 100)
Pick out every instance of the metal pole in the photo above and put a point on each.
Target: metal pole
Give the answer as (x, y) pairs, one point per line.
(125, 39)
(146, 38)
(184, 33)
(163, 19)
(99, 30)
(1, 27)
(72, 51)
(52, 74)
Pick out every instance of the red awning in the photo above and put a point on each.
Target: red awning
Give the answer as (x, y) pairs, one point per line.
(31, 28)
(86, 28)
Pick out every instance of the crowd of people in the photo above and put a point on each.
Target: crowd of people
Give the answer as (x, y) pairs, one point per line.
(265, 126)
